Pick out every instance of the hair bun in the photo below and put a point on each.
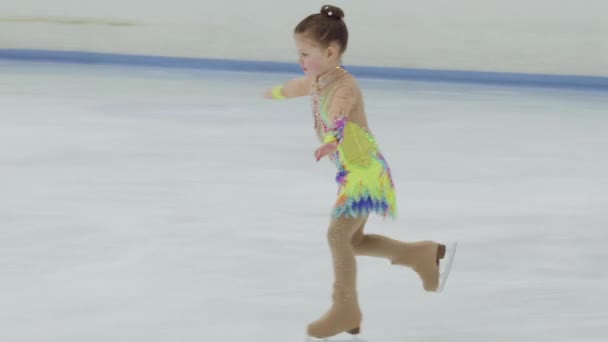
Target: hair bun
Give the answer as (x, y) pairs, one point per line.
(332, 12)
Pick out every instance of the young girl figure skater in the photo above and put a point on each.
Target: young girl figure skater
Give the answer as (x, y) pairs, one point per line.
(365, 184)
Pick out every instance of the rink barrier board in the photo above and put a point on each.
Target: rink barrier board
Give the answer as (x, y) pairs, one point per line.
(388, 73)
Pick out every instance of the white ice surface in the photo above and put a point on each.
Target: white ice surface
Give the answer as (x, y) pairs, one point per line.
(172, 205)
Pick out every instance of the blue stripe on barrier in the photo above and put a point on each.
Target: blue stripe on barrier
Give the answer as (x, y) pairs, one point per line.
(479, 77)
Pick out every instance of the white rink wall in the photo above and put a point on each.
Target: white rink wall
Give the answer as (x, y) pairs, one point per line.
(568, 37)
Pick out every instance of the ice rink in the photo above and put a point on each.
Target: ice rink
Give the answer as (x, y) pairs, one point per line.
(149, 205)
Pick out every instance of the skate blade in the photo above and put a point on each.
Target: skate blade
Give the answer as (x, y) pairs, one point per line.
(354, 338)
(445, 265)
(334, 339)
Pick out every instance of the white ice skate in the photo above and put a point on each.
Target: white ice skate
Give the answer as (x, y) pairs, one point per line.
(445, 264)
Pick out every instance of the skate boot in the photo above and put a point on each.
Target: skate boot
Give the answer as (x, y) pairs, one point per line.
(343, 316)
(424, 258)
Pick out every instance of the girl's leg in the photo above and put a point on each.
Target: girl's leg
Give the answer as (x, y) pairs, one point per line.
(422, 256)
(344, 314)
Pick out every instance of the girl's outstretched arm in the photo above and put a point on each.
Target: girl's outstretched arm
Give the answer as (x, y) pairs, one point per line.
(292, 88)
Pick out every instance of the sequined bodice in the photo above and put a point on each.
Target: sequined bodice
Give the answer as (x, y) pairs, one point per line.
(320, 118)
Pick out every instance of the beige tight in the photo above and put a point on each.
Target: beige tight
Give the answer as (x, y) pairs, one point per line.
(347, 240)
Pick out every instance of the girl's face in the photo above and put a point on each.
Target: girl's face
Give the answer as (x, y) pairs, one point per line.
(313, 59)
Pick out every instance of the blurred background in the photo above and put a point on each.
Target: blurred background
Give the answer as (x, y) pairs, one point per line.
(540, 36)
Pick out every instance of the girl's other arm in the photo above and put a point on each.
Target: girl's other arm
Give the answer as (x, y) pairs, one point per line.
(293, 88)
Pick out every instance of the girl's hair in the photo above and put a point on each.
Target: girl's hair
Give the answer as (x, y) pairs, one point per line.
(325, 27)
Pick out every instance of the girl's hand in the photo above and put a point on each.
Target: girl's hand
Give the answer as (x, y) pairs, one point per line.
(325, 149)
